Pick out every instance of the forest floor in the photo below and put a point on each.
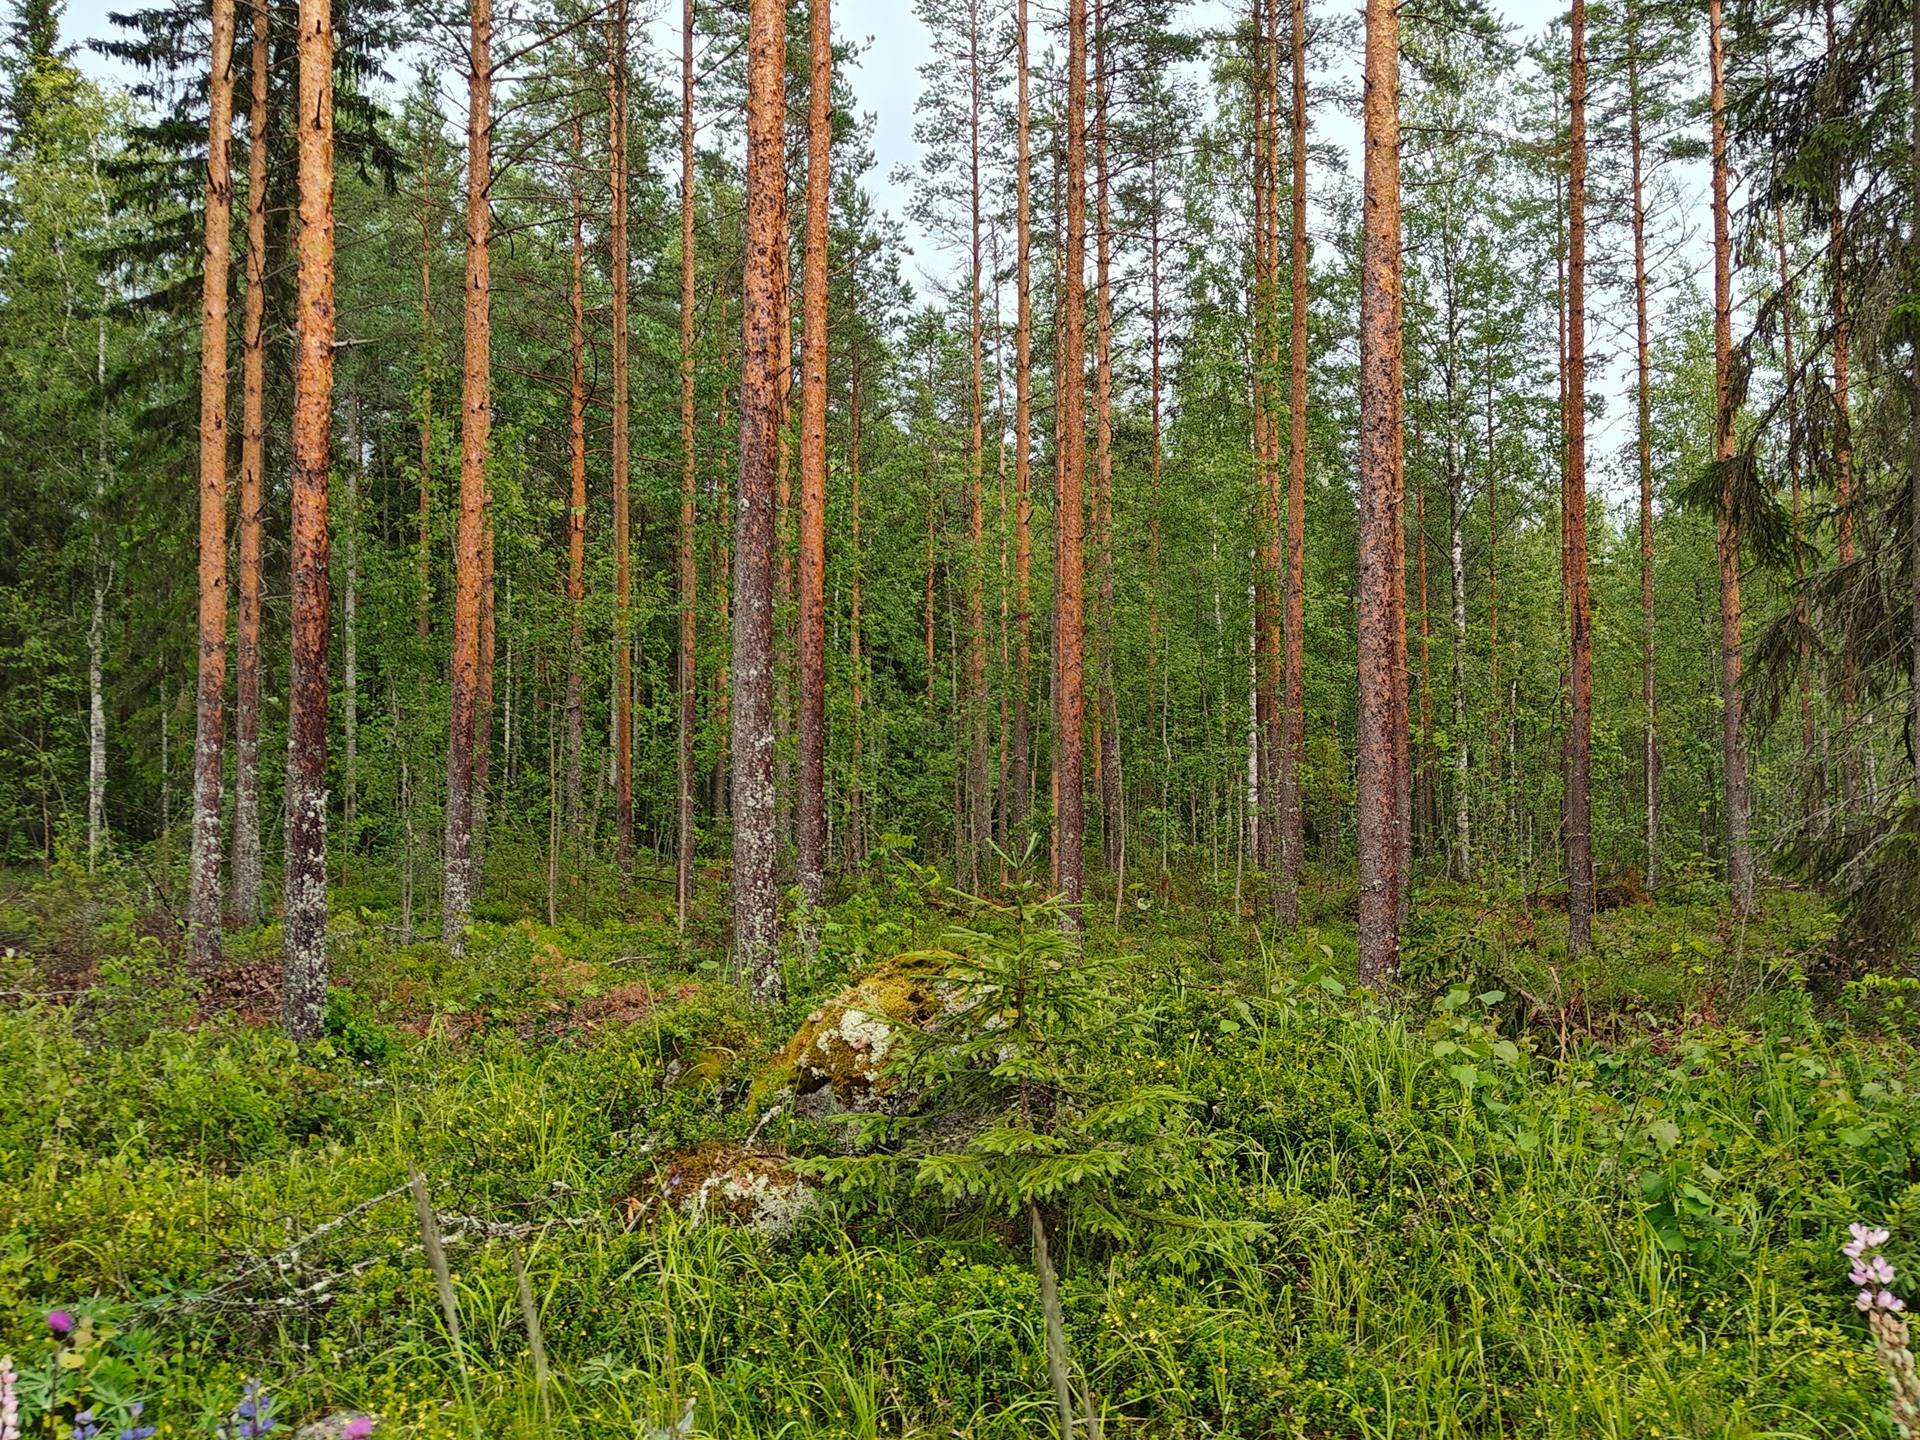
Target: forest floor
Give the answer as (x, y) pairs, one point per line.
(1527, 1197)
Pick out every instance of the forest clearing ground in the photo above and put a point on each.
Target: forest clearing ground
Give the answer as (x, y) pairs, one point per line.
(1527, 1198)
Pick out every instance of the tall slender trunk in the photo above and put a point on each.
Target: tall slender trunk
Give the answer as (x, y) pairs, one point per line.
(423, 621)
(350, 640)
(1293, 612)
(722, 570)
(1809, 756)
(1461, 857)
(203, 905)
(243, 899)
(977, 798)
(1423, 773)
(622, 439)
(1021, 762)
(763, 343)
(576, 500)
(476, 406)
(1495, 811)
(1580, 758)
(97, 710)
(689, 682)
(483, 702)
(1643, 446)
(1733, 703)
(1264, 639)
(812, 816)
(1843, 472)
(1070, 581)
(856, 676)
(1913, 478)
(1380, 486)
(1106, 721)
(304, 955)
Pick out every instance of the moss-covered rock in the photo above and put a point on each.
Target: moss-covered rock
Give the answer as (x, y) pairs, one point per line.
(727, 1181)
(842, 1049)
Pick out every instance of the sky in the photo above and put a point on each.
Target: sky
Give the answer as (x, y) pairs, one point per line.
(886, 83)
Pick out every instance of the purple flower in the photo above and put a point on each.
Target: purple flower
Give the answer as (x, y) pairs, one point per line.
(61, 1323)
(9, 1399)
(358, 1428)
(252, 1417)
(84, 1427)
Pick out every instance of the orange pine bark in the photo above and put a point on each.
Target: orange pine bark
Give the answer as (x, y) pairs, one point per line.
(1579, 615)
(476, 416)
(763, 345)
(1733, 759)
(689, 579)
(203, 903)
(1380, 489)
(812, 816)
(1069, 700)
(304, 953)
(243, 903)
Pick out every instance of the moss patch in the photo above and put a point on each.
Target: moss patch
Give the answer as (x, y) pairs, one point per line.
(723, 1180)
(844, 1045)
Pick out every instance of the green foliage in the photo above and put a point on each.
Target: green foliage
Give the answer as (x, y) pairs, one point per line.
(1282, 1207)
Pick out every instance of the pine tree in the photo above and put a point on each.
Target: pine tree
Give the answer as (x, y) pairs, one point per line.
(203, 905)
(304, 963)
(763, 339)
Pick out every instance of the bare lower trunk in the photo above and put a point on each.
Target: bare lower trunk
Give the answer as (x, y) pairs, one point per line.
(1380, 484)
(1913, 478)
(689, 682)
(457, 887)
(1293, 612)
(1070, 582)
(1843, 477)
(350, 649)
(203, 904)
(304, 957)
(1021, 762)
(856, 676)
(483, 705)
(622, 439)
(576, 512)
(97, 716)
(977, 798)
(1580, 623)
(1643, 446)
(755, 956)
(811, 819)
(243, 898)
(1733, 733)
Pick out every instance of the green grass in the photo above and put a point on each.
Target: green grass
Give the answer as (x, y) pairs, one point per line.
(1528, 1198)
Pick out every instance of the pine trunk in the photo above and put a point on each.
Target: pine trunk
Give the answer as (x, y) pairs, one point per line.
(1070, 582)
(1733, 702)
(1293, 612)
(243, 899)
(457, 888)
(304, 956)
(203, 903)
(1643, 446)
(1380, 486)
(812, 809)
(1019, 802)
(689, 680)
(622, 439)
(1579, 614)
(763, 343)
(423, 621)
(576, 507)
